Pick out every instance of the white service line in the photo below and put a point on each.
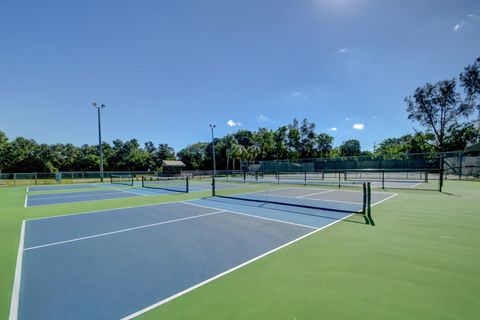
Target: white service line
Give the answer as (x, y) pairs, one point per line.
(393, 195)
(26, 200)
(130, 191)
(314, 194)
(17, 279)
(153, 306)
(413, 186)
(124, 230)
(92, 193)
(251, 215)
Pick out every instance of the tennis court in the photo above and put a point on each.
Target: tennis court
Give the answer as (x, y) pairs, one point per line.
(120, 263)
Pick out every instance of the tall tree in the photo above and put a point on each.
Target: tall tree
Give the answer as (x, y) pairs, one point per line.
(194, 156)
(470, 81)
(307, 139)
(436, 107)
(350, 148)
(324, 144)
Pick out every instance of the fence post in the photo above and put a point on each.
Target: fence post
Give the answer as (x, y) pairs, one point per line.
(35, 178)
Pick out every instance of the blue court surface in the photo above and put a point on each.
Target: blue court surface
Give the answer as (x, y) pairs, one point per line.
(72, 187)
(120, 263)
(33, 200)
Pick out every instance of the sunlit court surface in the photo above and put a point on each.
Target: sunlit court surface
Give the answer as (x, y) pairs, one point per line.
(231, 160)
(134, 259)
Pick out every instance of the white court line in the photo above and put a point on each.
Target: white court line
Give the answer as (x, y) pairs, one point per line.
(313, 194)
(123, 230)
(130, 191)
(161, 302)
(92, 193)
(251, 215)
(28, 188)
(413, 186)
(104, 210)
(26, 200)
(17, 279)
(393, 195)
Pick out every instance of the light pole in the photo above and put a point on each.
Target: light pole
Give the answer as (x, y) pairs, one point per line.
(213, 151)
(100, 138)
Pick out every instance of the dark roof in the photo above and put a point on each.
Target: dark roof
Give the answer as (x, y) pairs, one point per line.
(173, 163)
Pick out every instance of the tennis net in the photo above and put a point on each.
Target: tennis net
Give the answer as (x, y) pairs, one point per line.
(347, 201)
(126, 180)
(174, 184)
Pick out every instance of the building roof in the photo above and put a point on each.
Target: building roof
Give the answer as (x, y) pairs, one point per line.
(173, 163)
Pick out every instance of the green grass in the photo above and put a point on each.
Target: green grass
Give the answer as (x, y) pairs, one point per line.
(421, 261)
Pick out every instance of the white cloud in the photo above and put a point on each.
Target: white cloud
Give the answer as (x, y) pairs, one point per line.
(474, 16)
(297, 95)
(358, 126)
(343, 50)
(347, 119)
(332, 129)
(458, 26)
(232, 123)
(263, 118)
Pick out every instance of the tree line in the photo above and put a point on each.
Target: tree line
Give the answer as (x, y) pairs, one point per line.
(443, 111)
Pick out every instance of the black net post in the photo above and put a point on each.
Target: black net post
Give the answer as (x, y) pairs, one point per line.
(383, 179)
(213, 186)
(244, 176)
(369, 202)
(305, 178)
(35, 178)
(278, 177)
(364, 206)
(256, 175)
(187, 185)
(339, 179)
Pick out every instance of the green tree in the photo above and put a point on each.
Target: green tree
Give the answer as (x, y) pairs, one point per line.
(308, 139)
(460, 135)
(436, 107)
(194, 156)
(324, 144)
(293, 140)
(350, 148)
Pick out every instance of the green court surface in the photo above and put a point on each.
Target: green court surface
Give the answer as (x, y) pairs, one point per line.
(420, 261)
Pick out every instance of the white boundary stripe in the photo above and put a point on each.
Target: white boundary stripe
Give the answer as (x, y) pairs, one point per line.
(103, 210)
(124, 230)
(251, 215)
(70, 202)
(18, 276)
(388, 198)
(28, 188)
(26, 200)
(73, 195)
(314, 194)
(413, 186)
(153, 306)
(130, 191)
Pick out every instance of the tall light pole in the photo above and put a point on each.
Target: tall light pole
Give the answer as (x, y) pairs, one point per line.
(213, 151)
(100, 138)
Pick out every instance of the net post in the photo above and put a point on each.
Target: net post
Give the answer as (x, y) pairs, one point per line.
(187, 185)
(256, 175)
(323, 175)
(213, 186)
(339, 178)
(35, 178)
(244, 176)
(143, 181)
(426, 175)
(364, 204)
(369, 203)
(383, 179)
(305, 178)
(278, 178)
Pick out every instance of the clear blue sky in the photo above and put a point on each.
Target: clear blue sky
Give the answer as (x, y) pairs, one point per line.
(167, 69)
